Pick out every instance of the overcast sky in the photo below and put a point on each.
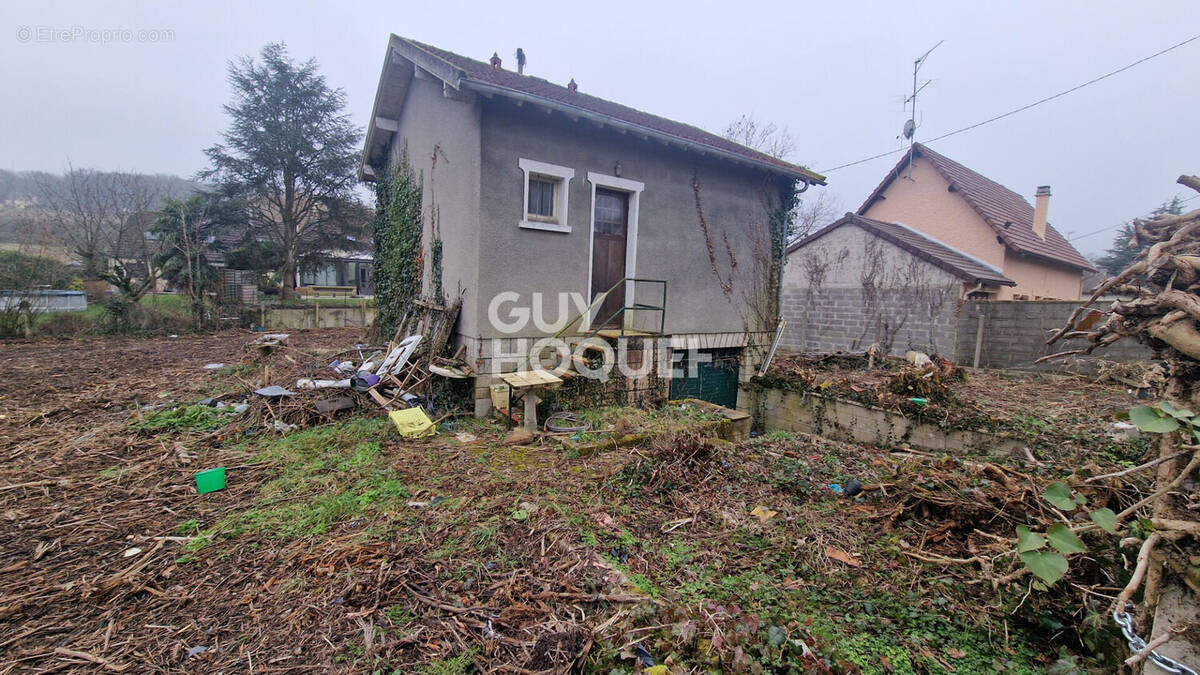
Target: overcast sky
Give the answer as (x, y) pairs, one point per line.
(834, 73)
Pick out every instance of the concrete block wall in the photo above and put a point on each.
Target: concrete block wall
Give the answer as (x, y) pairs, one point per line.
(836, 319)
(1015, 333)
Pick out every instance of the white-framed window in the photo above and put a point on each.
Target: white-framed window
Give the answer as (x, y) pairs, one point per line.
(546, 189)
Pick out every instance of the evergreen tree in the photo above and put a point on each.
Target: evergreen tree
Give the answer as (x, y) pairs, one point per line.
(1120, 255)
(290, 155)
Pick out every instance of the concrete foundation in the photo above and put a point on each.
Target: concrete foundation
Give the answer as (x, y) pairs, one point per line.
(856, 423)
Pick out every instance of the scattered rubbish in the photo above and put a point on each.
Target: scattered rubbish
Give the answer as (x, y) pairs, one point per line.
(643, 656)
(214, 366)
(842, 557)
(309, 383)
(210, 480)
(412, 423)
(1123, 431)
(196, 651)
(836, 489)
(332, 405)
(566, 422)
(763, 514)
(364, 381)
(464, 437)
(130, 552)
(280, 425)
(853, 488)
(918, 359)
(455, 371)
(437, 500)
(207, 402)
(621, 555)
(173, 337)
(274, 391)
(241, 408)
(919, 401)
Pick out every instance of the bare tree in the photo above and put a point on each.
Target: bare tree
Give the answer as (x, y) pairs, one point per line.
(766, 137)
(813, 212)
(103, 218)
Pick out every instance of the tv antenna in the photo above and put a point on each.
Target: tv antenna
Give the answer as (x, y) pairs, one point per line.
(910, 125)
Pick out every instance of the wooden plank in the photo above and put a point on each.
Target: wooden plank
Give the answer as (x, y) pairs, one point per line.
(525, 379)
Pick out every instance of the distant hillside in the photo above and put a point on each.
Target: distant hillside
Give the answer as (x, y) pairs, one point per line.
(23, 219)
(26, 186)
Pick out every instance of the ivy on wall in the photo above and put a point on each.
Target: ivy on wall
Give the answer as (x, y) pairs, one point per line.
(398, 255)
(780, 217)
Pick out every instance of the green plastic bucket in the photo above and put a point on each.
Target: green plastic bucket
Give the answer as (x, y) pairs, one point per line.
(211, 480)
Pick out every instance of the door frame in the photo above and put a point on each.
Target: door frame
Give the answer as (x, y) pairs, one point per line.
(634, 189)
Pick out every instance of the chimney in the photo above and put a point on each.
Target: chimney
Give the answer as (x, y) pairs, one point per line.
(572, 87)
(1040, 207)
(495, 61)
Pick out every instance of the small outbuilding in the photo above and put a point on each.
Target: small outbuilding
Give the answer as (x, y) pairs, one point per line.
(861, 281)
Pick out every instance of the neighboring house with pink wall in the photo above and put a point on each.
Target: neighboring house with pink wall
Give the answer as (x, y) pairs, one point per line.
(973, 214)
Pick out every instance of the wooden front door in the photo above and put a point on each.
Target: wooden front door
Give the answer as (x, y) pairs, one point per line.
(608, 254)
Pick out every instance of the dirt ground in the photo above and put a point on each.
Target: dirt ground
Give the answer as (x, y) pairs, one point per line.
(343, 547)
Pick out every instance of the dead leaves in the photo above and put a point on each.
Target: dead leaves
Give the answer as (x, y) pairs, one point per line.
(842, 557)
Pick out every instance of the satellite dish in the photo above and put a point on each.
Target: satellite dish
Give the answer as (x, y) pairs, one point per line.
(910, 127)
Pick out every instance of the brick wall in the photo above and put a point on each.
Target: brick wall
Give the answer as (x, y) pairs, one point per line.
(1015, 332)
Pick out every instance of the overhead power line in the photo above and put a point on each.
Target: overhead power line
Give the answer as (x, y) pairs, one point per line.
(1113, 227)
(1023, 108)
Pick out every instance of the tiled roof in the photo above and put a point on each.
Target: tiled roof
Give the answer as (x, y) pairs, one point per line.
(482, 73)
(1005, 211)
(922, 246)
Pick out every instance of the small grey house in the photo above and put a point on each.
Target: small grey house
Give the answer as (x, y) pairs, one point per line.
(545, 197)
(861, 281)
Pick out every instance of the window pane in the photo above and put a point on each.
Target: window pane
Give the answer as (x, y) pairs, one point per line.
(610, 214)
(541, 198)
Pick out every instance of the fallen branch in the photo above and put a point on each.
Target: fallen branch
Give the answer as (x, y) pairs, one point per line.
(1139, 572)
(92, 658)
(1140, 467)
(1162, 491)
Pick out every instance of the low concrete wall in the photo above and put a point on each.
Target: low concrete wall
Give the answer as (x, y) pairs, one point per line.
(1015, 332)
(856, 423)
(317, 317)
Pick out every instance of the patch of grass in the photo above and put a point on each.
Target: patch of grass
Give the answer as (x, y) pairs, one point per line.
(113, 472)
(459, 665)
(339, 466)
(188, 527)
(183, 418)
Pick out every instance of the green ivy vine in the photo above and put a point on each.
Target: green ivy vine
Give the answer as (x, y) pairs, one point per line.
(398, 225)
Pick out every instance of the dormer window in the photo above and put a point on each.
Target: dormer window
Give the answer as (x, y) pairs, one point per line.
(547, 187)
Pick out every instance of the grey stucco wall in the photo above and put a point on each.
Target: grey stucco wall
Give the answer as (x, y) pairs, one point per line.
(1015, 332)
(849, 289)
(670, 244)
(430, 119)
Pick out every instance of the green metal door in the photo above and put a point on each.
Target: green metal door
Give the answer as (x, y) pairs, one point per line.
(715, 379)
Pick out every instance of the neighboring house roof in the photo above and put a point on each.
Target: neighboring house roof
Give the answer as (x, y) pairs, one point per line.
(921, 245)
(1005, 211)
(460, 71)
